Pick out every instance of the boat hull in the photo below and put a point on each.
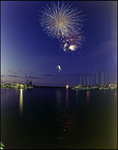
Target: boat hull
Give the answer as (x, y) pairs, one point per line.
(113, 88)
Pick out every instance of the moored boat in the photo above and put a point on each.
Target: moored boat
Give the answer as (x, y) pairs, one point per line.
(78, 87)
(86, 88)
(94, 87)
(30, 87)
(4, 85)
(106, 87)
(73, 88)
(101, 88)
(18, 86)
(113, 86)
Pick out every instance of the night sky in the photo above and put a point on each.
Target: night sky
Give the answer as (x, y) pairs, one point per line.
(27, 50)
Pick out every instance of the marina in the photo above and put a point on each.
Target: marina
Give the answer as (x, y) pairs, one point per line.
(15, 85)
(58, 75)
(96, 81)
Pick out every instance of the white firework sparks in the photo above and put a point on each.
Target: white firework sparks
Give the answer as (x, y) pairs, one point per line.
(60, 20)
(73, 42)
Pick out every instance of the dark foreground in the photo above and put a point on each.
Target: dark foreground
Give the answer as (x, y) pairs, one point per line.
(58, 118)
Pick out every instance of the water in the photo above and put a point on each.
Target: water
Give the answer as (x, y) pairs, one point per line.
(58, 118)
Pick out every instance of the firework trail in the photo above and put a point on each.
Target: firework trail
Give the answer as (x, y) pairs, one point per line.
(63, 21)
(59, 68)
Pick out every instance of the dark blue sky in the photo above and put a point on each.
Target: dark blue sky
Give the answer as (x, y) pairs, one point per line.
(27, 50)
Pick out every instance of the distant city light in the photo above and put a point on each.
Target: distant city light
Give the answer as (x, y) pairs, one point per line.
(67, 86)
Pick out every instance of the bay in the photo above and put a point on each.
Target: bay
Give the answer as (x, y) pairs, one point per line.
(51, 118)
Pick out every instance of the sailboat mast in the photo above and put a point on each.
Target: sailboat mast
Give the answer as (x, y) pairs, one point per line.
(88, 80)
(84, 79)
(110, 77)
(96, 75)
(80, 79)
(106, 78)
(92, 79)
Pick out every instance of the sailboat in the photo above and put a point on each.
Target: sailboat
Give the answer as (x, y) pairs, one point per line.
(29, 83)
(102, 85)
(95, 87)
(87, 87)
(113, 86)
(78, 87)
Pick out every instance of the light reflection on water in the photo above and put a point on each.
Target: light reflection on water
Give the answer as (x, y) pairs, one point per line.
(74, 126)
(115, 94)
(58, 97)
(76, 94)
(21, 101)
(67, 97)
(65, 119)
(7, 93)
(69, 115)
(88, 96)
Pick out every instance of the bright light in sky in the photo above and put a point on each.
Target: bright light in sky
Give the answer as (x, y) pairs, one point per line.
(59, 68)
(72, 47)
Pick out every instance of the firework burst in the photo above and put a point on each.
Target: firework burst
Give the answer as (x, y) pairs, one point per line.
(61, 19)
(73, 42)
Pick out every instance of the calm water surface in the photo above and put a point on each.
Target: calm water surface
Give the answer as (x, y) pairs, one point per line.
(58, 118)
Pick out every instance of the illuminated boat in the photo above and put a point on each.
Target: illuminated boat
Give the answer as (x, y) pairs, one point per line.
(4, 85)
(18, 86)
(30, 87)
(13, 84)
(106, 87)
(78, 87)
(29, 84)
(22, 86)
(94, 87)
(101, 88)
(73, 88)
(85, 88)
(113, 87)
